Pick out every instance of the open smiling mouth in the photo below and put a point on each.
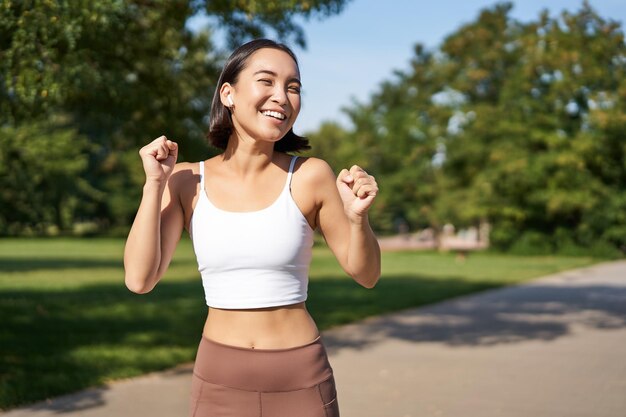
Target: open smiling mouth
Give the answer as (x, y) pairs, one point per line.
(274, 114)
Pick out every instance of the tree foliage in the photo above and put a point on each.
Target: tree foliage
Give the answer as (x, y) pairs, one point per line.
(103, 78)
(39, 164)
(519, 124)
(250, 18)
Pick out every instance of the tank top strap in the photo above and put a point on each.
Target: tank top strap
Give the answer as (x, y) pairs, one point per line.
(290, 173)
(201, 175)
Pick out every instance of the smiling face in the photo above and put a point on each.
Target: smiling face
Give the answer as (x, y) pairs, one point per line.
(266, 96)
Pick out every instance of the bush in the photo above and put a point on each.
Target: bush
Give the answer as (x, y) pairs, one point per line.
(532, 243)
(503, 235)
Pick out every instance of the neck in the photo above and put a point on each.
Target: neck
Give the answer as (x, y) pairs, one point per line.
(247, 157)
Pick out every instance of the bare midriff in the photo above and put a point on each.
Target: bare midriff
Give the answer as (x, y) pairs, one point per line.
(263, 328)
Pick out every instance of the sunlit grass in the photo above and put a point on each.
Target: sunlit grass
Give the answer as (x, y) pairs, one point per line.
(68, 322)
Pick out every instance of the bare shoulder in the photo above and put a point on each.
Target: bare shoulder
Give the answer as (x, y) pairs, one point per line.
(184, 180)
(182, 172)
(314, 171)
(186, 166)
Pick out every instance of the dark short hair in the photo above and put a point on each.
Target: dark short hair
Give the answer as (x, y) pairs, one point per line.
(221, 125)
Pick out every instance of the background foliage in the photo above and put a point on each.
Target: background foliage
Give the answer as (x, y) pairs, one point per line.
(517, 124)
(83, 85)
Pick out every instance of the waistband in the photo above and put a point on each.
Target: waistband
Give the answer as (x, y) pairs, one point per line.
(262, 370)
(223, 345)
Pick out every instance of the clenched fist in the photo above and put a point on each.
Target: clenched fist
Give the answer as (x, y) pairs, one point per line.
(159, 158)
(357, 190)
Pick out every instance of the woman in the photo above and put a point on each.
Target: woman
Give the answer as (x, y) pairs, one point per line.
(251, 212)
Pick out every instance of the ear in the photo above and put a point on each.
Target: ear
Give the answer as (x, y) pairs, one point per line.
(225, 91)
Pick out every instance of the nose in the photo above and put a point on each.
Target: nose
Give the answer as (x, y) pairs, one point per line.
(279, 95)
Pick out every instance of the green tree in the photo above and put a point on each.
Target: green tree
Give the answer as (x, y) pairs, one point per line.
(520, 124)
(40, 166)
(543, 175)
(120, 73)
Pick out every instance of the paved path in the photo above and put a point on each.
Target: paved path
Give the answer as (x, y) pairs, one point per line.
(555, 347)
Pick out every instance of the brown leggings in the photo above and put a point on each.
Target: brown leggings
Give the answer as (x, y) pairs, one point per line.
(232, 381)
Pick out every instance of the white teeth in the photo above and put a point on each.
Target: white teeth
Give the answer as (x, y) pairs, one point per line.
(274, 114)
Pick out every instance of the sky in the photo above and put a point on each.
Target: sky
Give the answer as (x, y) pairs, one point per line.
(348, 55)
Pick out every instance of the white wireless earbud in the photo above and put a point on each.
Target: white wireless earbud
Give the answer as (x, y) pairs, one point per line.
(230, 100)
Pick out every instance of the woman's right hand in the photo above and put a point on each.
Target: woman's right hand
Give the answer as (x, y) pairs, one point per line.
(159, 158)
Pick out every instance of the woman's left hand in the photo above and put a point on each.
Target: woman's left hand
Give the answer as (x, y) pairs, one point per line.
(357, 190)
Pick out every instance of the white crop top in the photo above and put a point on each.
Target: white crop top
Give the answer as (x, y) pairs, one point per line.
(252, 259)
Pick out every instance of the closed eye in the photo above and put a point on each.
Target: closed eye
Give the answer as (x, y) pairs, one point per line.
(292, 88)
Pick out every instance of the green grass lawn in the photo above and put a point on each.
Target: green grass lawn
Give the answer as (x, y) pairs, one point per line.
(68, 322)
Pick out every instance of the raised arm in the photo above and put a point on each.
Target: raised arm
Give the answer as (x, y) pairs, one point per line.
(159, 221)
(343, 220)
